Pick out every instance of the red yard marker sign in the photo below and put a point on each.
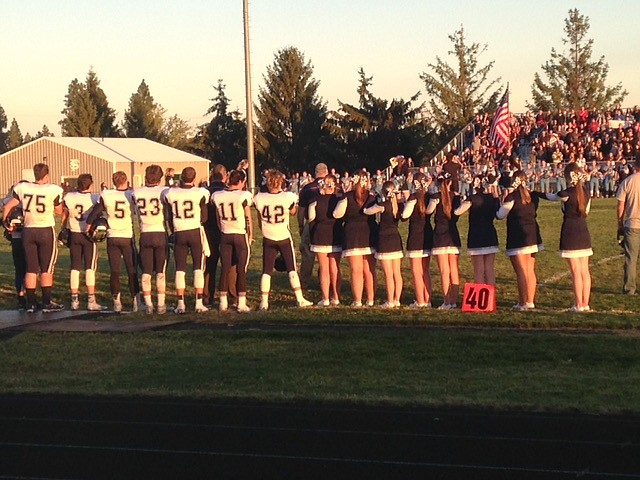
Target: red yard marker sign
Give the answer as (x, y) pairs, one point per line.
(479, 297)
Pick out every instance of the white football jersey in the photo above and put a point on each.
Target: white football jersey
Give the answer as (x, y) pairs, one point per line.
(79, 205)
(118, 207)
(274, 213)
(38, 202)
(149, 205)
(230, 207)
(186, 206)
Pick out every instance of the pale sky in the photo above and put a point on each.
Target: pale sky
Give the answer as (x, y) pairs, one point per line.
(182, 47)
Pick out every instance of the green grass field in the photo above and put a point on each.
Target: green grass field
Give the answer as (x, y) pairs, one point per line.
(549, 359)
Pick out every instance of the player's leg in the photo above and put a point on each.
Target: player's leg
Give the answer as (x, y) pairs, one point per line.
(241, 247)
(48, 255)
(288, 255)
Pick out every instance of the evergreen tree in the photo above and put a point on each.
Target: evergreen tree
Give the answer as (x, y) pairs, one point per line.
(224, 139)
(3, 131)
(144, 118)
(14, 137)
(43, 133)
(104, 124)
(377, 129)
(292, 134)
(459, 92)
(79, 112)
(573, 79)
(87, 112)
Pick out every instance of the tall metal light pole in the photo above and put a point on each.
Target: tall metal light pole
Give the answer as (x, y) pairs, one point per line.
(249, 101)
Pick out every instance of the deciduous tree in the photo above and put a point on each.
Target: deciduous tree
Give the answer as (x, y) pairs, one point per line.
(460, 91)
(176, 133)
(573, 79)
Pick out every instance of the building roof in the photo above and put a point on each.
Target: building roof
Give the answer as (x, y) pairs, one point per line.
(126, 149)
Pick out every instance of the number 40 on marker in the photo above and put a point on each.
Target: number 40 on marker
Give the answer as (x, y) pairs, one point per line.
(479, 297)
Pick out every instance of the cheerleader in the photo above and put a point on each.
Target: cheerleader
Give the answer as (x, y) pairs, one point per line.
(274, 209)
(523, 237)
(326, 240)
(419, 239)
(389, 250)
(359, 236)
(575, 240)
(446, 239)
(482, 239)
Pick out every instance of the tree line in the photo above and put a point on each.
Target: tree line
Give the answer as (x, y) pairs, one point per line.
(295, 129)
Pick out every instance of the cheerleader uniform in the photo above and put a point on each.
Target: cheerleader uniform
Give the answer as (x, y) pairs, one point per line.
(325, 231)
(389, 240)
(360, 231)
(446, 238)
(575, 240)
(523, 231)
(482, 238)
(420, 237)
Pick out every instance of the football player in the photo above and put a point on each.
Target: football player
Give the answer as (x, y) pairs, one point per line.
(117, 205)
(16, 217)
(41, 201)
(187, 205)
(274, 209)
(151, 213)
(234, 216)
(83, 252)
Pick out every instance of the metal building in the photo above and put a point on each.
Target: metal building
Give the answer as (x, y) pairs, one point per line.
(68, 157)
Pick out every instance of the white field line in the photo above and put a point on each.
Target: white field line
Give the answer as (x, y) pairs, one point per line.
(559, 276)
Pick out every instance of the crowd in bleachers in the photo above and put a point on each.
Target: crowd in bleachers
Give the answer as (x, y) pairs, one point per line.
(602, 143)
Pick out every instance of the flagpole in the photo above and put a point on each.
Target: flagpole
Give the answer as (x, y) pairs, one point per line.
(508, 104)
(249, 102)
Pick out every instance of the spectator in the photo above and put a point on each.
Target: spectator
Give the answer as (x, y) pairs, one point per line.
(307, 195)
(629, 226)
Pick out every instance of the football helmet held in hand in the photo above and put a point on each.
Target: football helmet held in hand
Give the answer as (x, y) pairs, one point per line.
(98, 230)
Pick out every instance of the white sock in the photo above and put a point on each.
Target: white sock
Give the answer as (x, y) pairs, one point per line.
(180, 280)
(294, 281)
(224, 302)
(161, 283)
(265, 288)
(145, 282)
(198, 279)
(242, 301)
(90, 278)
(74, 279)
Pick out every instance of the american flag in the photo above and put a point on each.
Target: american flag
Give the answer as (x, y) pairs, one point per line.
(500, 127)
